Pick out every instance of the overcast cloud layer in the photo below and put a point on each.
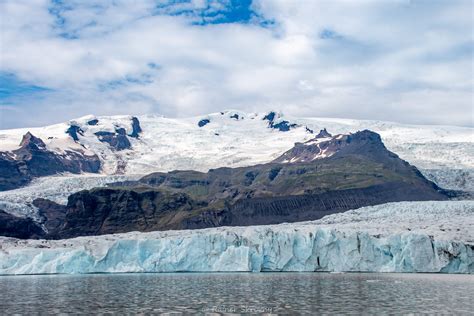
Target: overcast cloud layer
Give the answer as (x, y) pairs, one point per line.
(406, 61)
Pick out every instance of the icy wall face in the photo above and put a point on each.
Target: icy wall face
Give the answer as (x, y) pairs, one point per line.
(255, 249)
(413, 240)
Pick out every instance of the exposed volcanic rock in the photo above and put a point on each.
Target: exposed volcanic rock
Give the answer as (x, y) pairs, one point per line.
(365, 143)
(52, 218)
(203, 122)
(33, 159)
(359, 172)
(117, 140)
(73, 131)
(136, 128)
(105, 211)
(51, 213)
(323, 134)
(282, 126)
(19, 227)
(12, 172)
(30, 141)
(93, 122)
(295, 208)
(270, 117)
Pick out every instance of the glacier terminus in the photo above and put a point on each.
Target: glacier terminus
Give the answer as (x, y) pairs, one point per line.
(393, 237)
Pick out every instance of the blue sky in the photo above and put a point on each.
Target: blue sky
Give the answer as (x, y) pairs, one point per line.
(402, 60)
(12, 88)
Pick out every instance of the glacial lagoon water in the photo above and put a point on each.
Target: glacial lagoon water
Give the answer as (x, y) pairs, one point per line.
(234, 293)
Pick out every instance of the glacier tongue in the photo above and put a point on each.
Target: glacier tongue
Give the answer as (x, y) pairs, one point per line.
(359, 240)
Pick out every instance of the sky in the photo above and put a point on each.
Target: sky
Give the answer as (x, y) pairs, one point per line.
(408, 61)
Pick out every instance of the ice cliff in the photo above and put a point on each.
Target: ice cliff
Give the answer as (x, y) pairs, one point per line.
(394, 237)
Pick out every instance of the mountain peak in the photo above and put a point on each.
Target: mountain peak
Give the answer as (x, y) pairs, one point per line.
(324, 145)
(323, 134)
(29, 140)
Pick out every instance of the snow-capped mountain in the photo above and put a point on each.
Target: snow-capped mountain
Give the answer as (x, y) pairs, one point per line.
(144, 144)
(444, 154)
(127, 147)
(325, 145)
(356, 170)
(32, 159)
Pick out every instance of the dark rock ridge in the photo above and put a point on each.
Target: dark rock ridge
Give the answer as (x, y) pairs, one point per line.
(109, 211)
(309, 130)
(364, 143)
(33, 159)
(93, 122)
(117, 140)
(203, 122)
(19, 227)
(360, 172)
(323, 134)
(295, 208)
(52, 217)
(73, 131)
(283, 126)
(270, 117)
(136, 128)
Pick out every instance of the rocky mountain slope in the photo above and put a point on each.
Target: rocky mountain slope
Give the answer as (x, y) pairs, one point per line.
(32, 159)
(356, 170)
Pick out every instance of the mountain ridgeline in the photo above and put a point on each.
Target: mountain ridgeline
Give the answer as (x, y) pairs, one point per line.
(33, 159)
(323, 176)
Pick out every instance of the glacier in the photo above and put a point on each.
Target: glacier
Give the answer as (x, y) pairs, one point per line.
(57, 188)
(168, 144)
(394, 237)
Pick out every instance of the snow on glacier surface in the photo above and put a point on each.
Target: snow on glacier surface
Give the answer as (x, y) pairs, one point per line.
(55, 188)
(394, 237)
(168, 143)
(453, 179)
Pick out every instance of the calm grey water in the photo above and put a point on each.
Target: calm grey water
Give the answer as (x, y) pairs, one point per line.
(233, 293)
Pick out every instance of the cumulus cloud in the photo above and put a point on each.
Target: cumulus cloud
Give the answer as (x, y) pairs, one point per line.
(408, 61)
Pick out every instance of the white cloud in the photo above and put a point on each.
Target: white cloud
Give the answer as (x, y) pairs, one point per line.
(408, 61)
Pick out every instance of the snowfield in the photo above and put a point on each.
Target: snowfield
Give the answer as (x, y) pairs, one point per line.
(234, 139)
(394, 237)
